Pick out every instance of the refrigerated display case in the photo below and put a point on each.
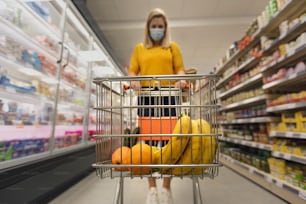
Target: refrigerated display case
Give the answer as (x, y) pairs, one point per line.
(48, 56)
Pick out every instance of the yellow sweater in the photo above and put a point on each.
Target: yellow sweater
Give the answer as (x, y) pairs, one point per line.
(156, 61)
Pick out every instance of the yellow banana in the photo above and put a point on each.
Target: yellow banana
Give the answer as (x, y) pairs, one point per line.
(192, 154)
(209, 146)
(171, 153)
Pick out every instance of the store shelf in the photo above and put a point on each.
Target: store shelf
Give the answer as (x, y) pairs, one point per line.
(295, 55)
(41, 23)
(293, 135)
(19, 68)
(285, 107)
(293, 81)
(17, 132)
(11, 94)
(244, 66)
(291, 9)
(246, 102)
(279, 187)
(251, 120)
(26, 40)
(246, 84)
(291, 34)
(238, 54)
(247, 143)
(289, 157)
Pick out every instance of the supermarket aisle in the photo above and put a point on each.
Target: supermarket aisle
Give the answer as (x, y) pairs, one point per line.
(227, 188)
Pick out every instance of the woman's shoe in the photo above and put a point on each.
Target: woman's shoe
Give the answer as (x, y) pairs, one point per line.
(152, 197)
(166, 197)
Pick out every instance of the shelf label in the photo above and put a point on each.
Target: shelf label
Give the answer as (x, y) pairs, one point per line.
(10, 90)
(276, 154)
(302, 194)
(291, 52)
(297, 135)
(251, 170)
(19, 125)
(269, 179)
(287, 156)
(281, 59)
(279, 184)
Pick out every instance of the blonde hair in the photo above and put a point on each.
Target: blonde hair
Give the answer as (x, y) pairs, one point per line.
(156, 13)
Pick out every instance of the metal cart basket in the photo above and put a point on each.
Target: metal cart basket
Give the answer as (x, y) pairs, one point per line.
(158, 130)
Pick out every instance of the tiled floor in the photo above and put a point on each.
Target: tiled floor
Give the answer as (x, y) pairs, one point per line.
(227, 188)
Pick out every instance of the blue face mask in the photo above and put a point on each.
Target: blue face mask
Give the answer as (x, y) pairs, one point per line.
(157, 33)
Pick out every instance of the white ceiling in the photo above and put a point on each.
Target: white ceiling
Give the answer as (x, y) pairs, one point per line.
(204, 29)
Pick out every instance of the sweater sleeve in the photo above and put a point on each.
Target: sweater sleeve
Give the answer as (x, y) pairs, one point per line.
(177, 58)
(134, 62)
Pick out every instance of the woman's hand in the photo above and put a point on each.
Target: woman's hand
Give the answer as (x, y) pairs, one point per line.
(182, 84)
(135, 85)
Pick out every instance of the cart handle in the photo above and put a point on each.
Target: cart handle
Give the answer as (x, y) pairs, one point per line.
(127, 87)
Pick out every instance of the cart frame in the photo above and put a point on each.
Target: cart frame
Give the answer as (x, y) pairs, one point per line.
(117, 108)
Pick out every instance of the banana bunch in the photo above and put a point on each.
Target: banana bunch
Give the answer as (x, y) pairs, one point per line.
(205, 150)
(192, 154)
(209, 145)
(177, 144)
(197, 149)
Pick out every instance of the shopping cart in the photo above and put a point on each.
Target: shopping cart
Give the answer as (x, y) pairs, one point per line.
(162, 113)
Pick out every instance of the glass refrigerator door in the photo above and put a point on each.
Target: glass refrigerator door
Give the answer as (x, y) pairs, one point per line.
(29, 37)
(72, 91)
(48, 58)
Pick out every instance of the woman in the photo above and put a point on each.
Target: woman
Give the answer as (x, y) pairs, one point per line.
(157, 55)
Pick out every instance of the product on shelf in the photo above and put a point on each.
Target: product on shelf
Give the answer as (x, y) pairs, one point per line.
(242, 96)
(285, 73)
(252, 157)
(291, 122)
(290, 172)
(277, 53)
(287, 99)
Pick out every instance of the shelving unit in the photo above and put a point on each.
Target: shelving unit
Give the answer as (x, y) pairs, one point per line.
(281, 188)
(262, 112)
(45, 82)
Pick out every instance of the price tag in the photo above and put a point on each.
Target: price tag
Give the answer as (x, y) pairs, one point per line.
(269, 179)
(283, 35)
(302, 194)
(243, 142)
(251, 170)
(291, 52)
(276, 154)
(279, 184)
(273, 63)
(287, 156)
(10, 90)
(281, 59)
(261, 146)
(297, 135)
(19, 126)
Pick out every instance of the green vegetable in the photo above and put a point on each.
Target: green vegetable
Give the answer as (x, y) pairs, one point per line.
(130, 141)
